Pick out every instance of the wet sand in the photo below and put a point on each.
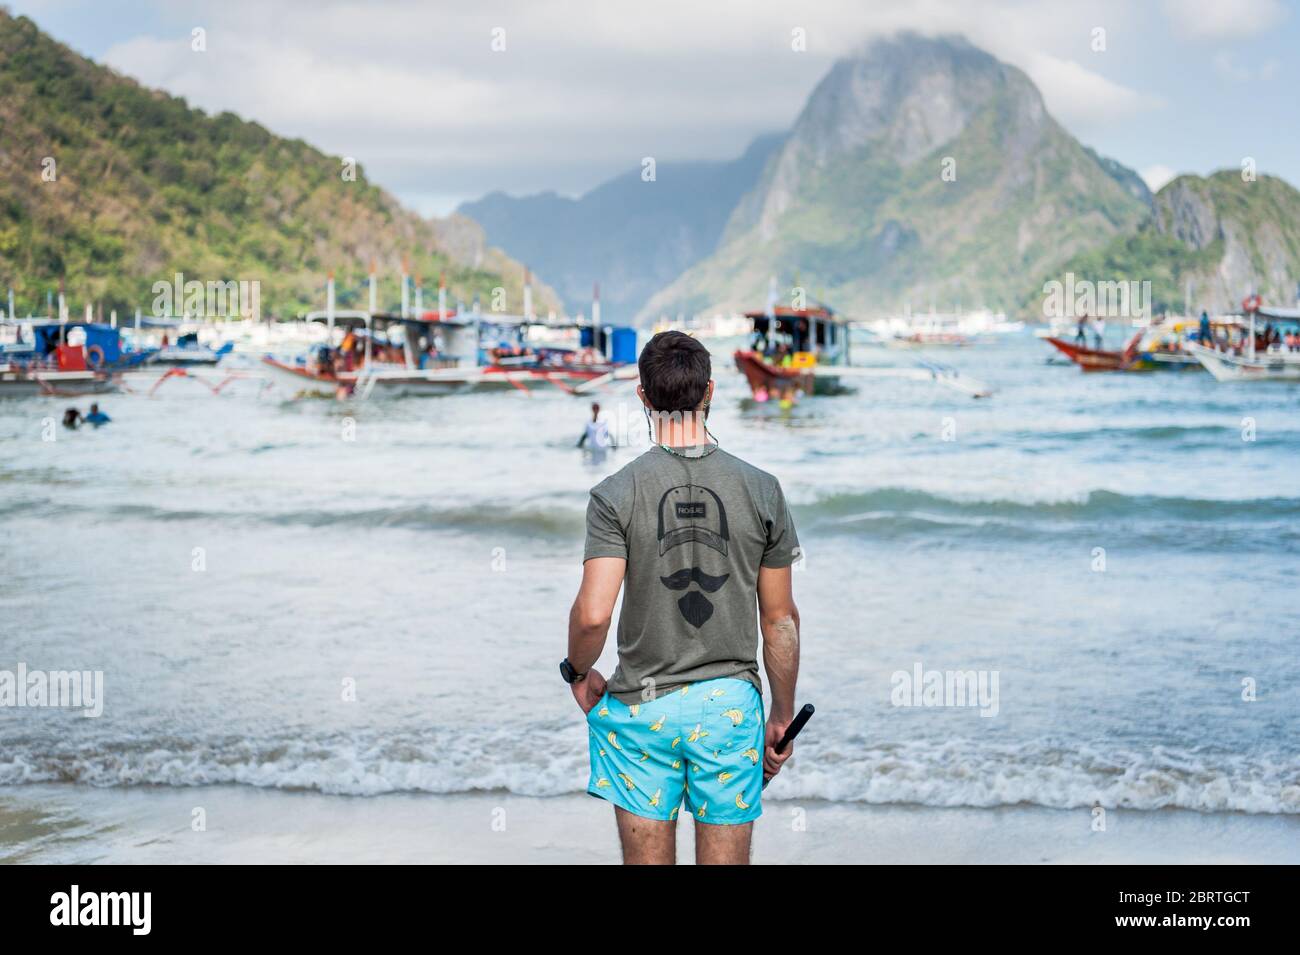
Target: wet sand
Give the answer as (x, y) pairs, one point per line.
(73, 824)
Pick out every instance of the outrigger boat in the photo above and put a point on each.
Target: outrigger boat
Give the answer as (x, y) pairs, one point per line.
(1267, 356)
(53, 357)
(365, 365)
(806, 352)
(442, 352)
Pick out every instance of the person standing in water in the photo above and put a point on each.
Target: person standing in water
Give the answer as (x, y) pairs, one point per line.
(702, 545)
(595, 437)
(597, 431)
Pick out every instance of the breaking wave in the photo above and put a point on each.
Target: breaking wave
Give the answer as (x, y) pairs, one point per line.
(550, 762)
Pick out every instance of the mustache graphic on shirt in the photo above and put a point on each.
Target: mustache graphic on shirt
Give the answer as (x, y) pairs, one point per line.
(682, 579)
(695, 608)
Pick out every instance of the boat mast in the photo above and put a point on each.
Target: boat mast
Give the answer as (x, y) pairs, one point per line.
(406, 289)
(329, 307)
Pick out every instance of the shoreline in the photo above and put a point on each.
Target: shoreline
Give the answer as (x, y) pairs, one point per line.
(68, 823)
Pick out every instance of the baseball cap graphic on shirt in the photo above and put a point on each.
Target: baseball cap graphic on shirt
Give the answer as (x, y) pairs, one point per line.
(690, 512)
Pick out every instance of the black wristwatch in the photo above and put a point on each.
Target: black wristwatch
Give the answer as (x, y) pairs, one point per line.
(569, 673)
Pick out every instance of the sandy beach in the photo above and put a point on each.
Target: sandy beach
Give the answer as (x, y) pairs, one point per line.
(73, 824)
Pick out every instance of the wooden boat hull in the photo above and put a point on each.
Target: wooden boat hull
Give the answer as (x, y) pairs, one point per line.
(19, 383)
(399, 382)
(299, 380)
(1272, 366)
(1130, 358)
(1090, 359)
(773, 380)
(1166, 361)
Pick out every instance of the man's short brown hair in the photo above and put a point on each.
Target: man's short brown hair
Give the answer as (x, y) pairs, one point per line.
(675, 372)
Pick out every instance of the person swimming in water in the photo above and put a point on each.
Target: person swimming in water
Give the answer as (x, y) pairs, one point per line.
(71, 418)
(97, 417)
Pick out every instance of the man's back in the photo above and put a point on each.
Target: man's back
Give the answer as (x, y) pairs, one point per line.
(695, 525)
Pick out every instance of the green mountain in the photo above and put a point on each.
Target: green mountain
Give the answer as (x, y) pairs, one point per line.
(1208, 243)
(145, 186)
(855, 206)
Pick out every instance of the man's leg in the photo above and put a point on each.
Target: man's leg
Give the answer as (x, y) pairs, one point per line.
(722, 845)
(646, 841)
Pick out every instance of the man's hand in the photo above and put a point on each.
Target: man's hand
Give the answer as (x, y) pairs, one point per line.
(588, 691)
(772, 760)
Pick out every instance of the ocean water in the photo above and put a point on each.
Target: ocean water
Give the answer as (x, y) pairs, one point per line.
(1121, 553)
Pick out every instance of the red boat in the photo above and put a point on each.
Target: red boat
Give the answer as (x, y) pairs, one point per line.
(1097, 359)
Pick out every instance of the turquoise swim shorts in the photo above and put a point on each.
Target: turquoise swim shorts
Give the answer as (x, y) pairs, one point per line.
(704, 742)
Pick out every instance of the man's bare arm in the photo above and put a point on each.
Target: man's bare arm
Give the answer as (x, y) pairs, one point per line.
(779, 621)
(593, 609)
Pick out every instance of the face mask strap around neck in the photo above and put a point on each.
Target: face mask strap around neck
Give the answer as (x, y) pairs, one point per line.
(704, 423)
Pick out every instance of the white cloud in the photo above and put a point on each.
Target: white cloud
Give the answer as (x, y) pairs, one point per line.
(1224, 19)
(585, 88)
(1076, 94)
(1156, 176)
(1227, 67)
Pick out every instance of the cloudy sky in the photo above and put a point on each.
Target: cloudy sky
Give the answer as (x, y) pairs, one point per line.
(584, 88)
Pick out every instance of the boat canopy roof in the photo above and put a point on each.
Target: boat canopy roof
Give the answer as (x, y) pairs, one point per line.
(46, 326)
(1277, 314)
(355, 319)
(521, 321)
(782, 314)
(48, 321)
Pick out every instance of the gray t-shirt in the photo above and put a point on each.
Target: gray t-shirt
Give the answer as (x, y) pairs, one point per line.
(694, 529)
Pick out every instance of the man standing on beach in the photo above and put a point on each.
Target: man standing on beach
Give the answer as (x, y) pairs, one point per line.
(699, 541)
